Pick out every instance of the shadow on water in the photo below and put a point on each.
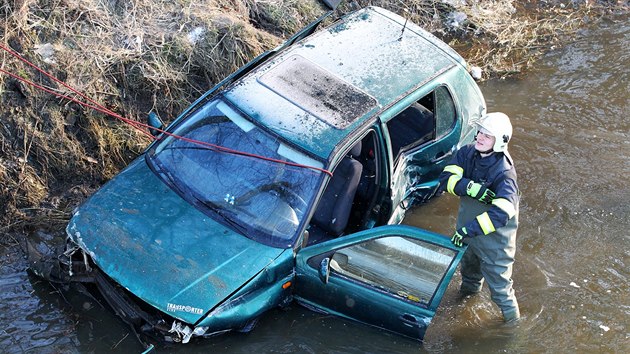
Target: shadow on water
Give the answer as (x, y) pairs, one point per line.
(571, 146)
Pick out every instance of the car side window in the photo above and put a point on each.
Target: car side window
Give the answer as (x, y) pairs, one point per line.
(403, 267)
(427, 119)
(445, 112)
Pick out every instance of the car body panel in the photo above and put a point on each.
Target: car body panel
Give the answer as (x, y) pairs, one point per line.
(383, 67)
(165, 251)
(268, 289)
(379, 286)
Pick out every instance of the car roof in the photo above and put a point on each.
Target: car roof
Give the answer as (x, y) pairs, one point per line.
(321, 90)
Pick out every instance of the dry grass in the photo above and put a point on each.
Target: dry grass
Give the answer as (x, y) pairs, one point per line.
(506, 41)
(282, 17)
(132, 56)
(137, 56)
(426, 13)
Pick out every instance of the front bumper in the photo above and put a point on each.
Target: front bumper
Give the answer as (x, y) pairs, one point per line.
(73, 265)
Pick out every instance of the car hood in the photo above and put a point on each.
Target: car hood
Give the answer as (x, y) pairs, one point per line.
(162, 249)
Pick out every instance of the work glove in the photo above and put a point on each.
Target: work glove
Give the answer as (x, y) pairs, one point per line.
(480, 192)
(459, 236)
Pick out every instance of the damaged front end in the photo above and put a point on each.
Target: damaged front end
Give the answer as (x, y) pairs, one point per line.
(72, 265)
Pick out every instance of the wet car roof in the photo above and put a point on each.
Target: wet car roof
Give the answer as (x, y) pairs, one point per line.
(317, 91)
(323, 88)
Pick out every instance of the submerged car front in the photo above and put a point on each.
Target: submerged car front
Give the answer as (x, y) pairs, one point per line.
(201, 227)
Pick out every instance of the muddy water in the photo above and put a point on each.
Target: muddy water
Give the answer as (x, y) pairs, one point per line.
(572, 150)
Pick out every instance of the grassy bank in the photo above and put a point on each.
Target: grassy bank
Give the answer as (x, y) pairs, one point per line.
(140, 56)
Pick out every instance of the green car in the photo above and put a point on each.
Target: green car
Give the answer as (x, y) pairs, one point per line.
(287, 182)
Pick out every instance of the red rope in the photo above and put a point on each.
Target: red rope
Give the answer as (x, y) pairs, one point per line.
(24, 60)
(133, 123)
(138, 125)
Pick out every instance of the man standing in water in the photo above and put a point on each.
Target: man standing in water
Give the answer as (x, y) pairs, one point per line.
(483, 175)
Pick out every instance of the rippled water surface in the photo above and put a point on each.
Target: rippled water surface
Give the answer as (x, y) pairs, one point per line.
(572, 151)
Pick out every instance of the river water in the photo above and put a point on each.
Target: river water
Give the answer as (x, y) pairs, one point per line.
(571, 147)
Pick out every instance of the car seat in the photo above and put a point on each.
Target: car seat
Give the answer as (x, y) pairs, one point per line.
(333, 211)
(414, 125)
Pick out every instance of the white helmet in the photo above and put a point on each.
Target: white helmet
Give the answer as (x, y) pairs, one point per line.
(498, 125)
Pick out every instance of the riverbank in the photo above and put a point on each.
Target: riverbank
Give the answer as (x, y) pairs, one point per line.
(159, 56)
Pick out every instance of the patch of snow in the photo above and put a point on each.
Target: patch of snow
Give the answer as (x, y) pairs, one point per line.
(134, 42)
(456, 19)
(454, 2)
(196, 35)
(476, 73)
(573, 284)
(46, 51)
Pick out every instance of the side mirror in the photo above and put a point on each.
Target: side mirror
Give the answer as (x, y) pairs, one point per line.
(324, 270)
(155, 122)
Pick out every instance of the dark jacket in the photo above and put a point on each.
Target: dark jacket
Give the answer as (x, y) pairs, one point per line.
(497, 173)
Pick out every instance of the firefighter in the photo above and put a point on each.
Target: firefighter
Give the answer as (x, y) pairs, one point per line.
(483, 176)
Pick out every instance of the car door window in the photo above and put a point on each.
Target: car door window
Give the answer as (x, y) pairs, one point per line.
(403, 267)
(445, 114)
(426, 120)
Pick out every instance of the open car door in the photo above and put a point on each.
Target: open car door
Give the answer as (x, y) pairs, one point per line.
(391, 277)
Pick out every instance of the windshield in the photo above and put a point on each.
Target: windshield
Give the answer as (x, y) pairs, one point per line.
(264, 200)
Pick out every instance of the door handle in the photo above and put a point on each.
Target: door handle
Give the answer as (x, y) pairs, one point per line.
(410, 320)
(443, 155)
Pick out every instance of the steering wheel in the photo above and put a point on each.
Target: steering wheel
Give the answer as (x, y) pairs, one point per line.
(294, 200)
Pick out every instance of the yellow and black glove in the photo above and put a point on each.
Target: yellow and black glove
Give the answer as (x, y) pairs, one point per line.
(480, 192)
(459, 236)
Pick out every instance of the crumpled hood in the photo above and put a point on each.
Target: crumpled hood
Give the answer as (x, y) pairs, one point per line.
(161, 248)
